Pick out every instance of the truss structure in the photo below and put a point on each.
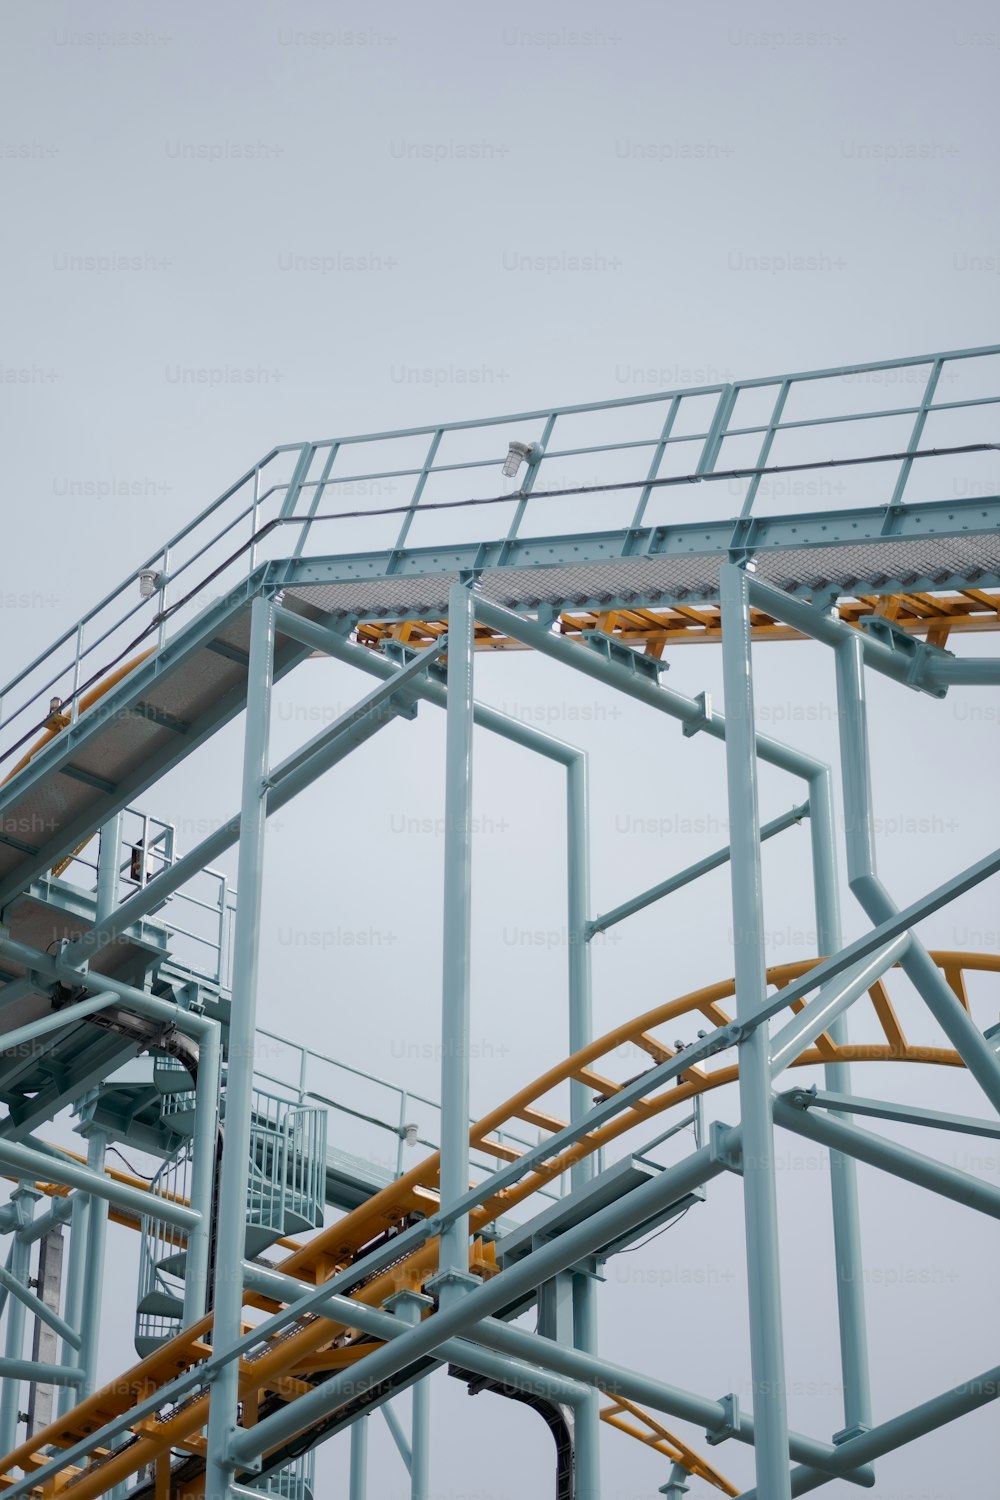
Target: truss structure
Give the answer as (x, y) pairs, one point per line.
(815, 506)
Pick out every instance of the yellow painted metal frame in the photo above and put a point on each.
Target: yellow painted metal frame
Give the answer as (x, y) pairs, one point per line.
(321, 1343)
(934, 616)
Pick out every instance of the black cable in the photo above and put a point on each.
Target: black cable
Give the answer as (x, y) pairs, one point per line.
(649, 1240)
(134, 1170)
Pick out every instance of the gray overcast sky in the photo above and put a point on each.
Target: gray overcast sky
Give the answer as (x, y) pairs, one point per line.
(235, 225)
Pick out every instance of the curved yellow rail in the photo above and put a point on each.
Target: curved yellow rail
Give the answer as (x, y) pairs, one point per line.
(280, 1365)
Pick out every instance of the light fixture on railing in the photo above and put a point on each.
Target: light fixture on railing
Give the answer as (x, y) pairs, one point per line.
(517, 454)
(409, 1134)
(149, 582)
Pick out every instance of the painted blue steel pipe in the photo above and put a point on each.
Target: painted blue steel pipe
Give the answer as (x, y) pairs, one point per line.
(847, 1245)
(565, 1250)
(20, 1267)
(767, 1354)
(457, 934)
(231, 1224)
(919, 967)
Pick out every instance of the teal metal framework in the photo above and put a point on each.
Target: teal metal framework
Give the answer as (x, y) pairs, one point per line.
(262, 579)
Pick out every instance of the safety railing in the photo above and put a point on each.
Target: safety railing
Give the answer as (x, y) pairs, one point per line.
(293, 1481)
(160, 1297)
(287, 1181)
(196, 920)
(821, 439)
(386, 1121)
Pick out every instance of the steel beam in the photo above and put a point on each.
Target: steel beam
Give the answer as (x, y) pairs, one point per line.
(288, 778)
(45, 1167)
(830, 1003)
(587, 1416)
(792, 1111)
(48, 1315)
(28, 1369)
(516, 1280)
(888, 1436)
(358, 1480)
(847, 1244)
(93, 1289)
(543, 1366)
(231, 1226)
(692, 873)
(20, 1269)
(398, 1435)
(919, 967)
(902, 1114)
(466, 1351)
(694, 714)
(617, 1380)
(203, 1156)
(767, 1354)
(456, 958)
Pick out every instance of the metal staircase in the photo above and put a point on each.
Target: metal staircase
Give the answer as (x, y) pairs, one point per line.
(285, 1196)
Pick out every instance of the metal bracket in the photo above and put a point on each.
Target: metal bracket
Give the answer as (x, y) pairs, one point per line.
(741, 543)
(730, 1424)
(722, 1148)
(801, 1098)
(636, 662)
(918, 653)
(695, 726)
(452, 1278)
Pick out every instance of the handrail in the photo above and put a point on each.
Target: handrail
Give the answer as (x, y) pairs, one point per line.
(258, 502)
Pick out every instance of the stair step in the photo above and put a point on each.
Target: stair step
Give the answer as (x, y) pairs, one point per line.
(173, 1265)
(260, 1237)
(160, 1304)
(173, 1080)
(296, 1223)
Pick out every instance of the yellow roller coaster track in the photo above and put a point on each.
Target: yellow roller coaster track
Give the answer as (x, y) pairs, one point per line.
(934, 616)
(280, 1366)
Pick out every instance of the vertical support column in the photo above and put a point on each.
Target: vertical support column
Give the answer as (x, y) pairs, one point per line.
(843, 1169)
(359, 1459)
(76, 1276)
(45, 1342)
(107, 868)
(410, 1307)
(202, 1173)
(456, 968)
(242, 1027)
(759, 1189)
(581, 1019)
(89, 1221)
(97, 1233)
(420, 1442)
(24, 1198)
(587, 1420)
